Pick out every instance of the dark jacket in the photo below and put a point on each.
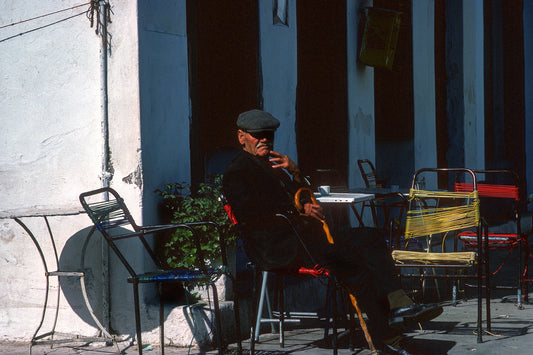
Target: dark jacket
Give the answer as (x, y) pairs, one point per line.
(256, 192)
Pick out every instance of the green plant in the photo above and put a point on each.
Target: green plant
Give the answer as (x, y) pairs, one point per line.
(184, 206)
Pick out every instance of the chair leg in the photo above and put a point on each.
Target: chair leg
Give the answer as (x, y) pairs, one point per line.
(218, 323)
(137, 316)
(334, 317)
(161, 318)
(351, 324)
(281, 302)
(525, 273)
(488, 286)
(262, 298)
(519, 304)
(481, 267)
(328, 309)
(331, 314)
(255, 310)
(374, 214)
(237, 316)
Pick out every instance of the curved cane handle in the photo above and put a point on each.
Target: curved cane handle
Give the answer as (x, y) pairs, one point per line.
(300, 208)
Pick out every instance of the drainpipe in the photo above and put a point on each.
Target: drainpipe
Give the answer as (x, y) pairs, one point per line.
(102, 22)
(103, 11)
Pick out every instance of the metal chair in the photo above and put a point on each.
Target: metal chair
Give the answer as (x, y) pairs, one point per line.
(434, 215)
(113, 220)
(261, 295)
(369, 174)
(501, 206)
(382, 200)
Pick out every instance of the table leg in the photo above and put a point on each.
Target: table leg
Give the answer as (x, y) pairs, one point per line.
(357, 215)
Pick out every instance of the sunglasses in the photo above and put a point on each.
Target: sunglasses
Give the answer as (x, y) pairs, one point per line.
(269, 135)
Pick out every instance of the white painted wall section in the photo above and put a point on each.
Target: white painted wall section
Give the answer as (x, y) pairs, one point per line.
(50, 151)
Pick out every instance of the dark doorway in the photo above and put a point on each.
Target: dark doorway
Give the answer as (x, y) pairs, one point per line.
(321, 106)
(504, 86)
(223, 39)
(393, 104)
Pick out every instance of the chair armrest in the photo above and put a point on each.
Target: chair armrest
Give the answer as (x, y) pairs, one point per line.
(191, 227)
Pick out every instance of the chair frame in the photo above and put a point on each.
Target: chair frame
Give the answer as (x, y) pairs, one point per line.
(481, 274)
(108, 214)
(315, 272)
(372, 181)
(498, 240)
(370, 177)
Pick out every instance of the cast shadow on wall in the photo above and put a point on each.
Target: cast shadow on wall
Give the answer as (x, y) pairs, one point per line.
(112, 301)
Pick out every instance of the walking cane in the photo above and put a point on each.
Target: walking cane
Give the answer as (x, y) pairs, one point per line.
(300, 208)
(363, 325)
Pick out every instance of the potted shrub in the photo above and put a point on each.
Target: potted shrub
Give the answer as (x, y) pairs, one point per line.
(183, 204)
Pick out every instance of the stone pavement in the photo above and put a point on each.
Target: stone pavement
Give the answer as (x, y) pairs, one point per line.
(451, 333)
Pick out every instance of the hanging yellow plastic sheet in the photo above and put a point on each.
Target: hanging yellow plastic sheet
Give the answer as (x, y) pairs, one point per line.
(380, 35)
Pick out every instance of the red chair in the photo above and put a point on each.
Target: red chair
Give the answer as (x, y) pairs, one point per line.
(316, 272)
(501, 204)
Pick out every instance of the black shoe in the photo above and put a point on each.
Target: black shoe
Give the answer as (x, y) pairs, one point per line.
(414, 313)
(387, 349)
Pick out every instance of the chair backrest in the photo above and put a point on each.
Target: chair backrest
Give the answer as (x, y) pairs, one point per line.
(238, 227)
(499, 194)
(368, 172)
(114, 221)
(229, 211)
(433, 212)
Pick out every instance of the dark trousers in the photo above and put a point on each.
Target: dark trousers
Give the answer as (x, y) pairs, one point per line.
(361, 262)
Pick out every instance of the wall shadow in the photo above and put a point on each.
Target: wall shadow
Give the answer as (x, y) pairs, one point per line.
(77, 255)
(86, 255)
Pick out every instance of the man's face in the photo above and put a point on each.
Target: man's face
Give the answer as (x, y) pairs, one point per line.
(257, 143)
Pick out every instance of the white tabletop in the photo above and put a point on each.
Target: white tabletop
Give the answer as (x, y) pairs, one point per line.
(343, 197)
(42, 211)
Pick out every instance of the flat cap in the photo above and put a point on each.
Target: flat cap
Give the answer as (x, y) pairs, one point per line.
(257, 121)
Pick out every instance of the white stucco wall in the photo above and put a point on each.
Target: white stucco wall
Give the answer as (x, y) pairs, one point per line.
(47, 131)
(52, 146)
(49, 144)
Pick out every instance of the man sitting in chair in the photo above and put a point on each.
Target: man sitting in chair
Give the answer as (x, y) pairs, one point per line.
(259, 182)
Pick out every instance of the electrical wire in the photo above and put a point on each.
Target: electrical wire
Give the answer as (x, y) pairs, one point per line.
(41, 27)
(41, 16)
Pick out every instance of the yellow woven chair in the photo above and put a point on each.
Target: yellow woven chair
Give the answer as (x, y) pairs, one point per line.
(435, 215)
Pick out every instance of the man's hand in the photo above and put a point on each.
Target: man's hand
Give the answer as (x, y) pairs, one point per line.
(284, 162)
(315, 211)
